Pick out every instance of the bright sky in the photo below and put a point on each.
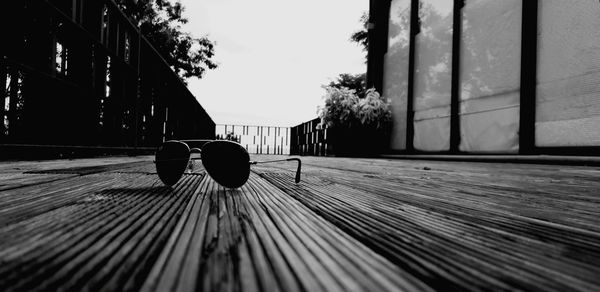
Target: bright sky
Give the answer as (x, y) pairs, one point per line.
(273, 56)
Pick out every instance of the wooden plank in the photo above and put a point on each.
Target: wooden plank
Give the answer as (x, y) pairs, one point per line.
(480, 225)
(100, 243)
(350, 225)
(258, 238)
(336, 251)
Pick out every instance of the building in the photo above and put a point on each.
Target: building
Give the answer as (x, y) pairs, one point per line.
(489, 76)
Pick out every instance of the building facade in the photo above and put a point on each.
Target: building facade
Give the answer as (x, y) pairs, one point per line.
(489, 76)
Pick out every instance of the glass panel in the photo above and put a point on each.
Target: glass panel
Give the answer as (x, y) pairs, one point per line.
(433, 74)
(65, 60)
(5, 123)
(7, 93)
(395, 77)
(103, 100)
(104, 25)
(6, 109)
(568, 91)
(59, 57)
(490, 69)
(20, 99)
(127, 49)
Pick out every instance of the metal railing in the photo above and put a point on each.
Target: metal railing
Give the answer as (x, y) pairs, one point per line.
(257, 139)
(308, 139)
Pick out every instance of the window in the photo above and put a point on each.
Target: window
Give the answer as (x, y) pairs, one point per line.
(568, 70)
(490, 79)
(395, 79)
(104, 26)
(127, 49)
(104, 98)
(13, 101)
(61, 58)
(6, 109)
(433, 74)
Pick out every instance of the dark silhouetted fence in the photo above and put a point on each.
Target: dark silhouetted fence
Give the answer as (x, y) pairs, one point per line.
(79, 73)
(308, 139)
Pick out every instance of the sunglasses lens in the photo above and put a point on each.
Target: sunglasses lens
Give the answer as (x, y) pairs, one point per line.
(171, 161)
(228, 163)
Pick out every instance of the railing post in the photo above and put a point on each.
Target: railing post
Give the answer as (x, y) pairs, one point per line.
(455, 79)
(414, 30)
(528, 77)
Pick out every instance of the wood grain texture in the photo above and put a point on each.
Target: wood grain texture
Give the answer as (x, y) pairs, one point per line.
(350, 225)
(464, 225)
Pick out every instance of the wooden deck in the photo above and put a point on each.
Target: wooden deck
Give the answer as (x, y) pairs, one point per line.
(350, 225)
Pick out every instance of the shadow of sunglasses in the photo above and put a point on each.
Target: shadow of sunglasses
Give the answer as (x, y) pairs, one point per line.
(227, 162)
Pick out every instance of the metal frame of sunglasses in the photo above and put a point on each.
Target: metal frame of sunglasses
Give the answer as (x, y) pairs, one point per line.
(226, 162)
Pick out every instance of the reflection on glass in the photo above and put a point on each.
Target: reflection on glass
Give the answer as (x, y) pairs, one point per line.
(490, 75)
(433, 72)
(58, 57)
(395, 79)
(568, 91)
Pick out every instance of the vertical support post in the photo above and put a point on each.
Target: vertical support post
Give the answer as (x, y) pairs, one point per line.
(74, 10)
(377, 32)
(455, 81)
(410, 114)
(528, 77)
(138, 93)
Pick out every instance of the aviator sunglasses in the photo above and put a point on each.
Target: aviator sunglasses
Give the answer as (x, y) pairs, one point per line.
(226, 162)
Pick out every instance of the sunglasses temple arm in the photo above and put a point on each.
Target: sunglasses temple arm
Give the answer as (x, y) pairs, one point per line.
(297, 179)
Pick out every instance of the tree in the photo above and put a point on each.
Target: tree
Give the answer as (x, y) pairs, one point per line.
(160, 21)
(356, 82)
(361, 37)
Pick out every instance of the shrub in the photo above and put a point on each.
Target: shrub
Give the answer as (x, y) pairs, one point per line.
(360, 126)
(343, 109)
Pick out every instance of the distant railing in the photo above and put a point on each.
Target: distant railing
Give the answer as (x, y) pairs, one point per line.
(257, 139)
(308, 139)
(79, 73)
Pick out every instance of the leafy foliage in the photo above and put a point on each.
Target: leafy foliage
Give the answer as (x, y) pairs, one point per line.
(358, 82)
(361, 37)
(348, 104)
(161, 23)
(340, 108)
(374, 111)
(344, 109)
